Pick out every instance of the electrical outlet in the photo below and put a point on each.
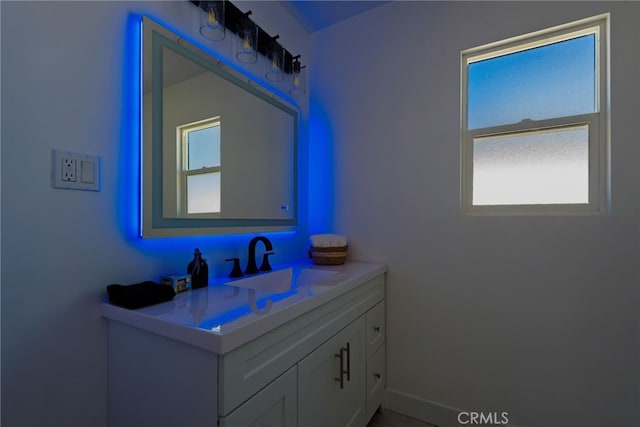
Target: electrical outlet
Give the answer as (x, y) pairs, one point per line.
(69, 169)
(75, 171)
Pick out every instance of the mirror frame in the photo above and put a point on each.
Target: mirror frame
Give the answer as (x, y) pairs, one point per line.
(155, 37)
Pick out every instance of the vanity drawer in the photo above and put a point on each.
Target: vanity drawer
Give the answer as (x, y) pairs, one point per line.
(376, 378)
(375, 328)
(252, 366)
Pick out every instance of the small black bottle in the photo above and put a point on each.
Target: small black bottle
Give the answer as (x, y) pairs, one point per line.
(199, 270)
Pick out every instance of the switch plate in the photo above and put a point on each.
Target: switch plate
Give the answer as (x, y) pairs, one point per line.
(75, 171)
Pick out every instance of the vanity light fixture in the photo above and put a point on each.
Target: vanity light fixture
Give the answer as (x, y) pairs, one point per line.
(298, 86)
(246, 46)
(212, 25)
(275, 60)
(251, 40)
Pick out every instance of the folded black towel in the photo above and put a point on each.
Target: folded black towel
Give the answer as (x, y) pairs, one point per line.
(139, 294)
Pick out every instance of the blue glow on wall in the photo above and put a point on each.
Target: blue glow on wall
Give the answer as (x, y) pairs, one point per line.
(130, 137)
(321, 175)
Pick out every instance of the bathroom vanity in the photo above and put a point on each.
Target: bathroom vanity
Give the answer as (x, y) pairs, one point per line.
(300, 346)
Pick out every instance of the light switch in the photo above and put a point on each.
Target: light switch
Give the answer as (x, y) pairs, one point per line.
(87, 171)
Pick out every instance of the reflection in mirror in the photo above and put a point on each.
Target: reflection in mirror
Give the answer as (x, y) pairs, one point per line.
(219, 151)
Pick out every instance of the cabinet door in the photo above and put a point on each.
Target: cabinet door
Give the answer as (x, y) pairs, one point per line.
(376, 378)
(274, 406)
(331, 380)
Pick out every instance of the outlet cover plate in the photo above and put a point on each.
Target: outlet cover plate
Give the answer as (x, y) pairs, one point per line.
(75, 171)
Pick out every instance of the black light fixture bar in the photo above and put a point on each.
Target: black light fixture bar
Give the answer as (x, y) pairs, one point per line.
(232, 19)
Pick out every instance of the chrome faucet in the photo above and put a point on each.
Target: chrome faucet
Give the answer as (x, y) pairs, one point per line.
(252, 268)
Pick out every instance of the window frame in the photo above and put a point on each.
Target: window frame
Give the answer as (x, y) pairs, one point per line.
(184, 172)
(599, 131)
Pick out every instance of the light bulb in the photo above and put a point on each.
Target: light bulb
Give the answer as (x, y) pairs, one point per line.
(212, 22)
(212, 19)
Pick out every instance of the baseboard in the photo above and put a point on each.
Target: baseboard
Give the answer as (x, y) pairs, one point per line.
(430, 412)
(421, 409)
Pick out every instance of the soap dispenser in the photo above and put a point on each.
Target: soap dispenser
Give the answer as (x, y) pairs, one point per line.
(199, 270)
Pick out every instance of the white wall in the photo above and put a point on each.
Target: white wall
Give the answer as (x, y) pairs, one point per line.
(535, 316)
(63, 77)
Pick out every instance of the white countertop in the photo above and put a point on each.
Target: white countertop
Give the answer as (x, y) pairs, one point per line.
(222, 317)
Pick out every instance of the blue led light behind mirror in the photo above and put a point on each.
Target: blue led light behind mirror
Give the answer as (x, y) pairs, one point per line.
(255, 143)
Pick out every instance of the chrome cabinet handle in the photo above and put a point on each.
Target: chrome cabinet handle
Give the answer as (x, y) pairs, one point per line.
(340, 355)
(376, 328)
(348, 362)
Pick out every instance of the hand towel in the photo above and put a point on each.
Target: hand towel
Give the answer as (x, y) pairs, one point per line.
(328, 240)
(140, 294)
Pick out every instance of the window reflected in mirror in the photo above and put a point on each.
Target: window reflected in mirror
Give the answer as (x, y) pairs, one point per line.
(200, 168)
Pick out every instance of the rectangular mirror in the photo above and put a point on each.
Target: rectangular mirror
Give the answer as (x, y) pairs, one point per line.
(219, 152)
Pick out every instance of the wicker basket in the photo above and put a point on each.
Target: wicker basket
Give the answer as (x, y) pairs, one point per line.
(328, 256)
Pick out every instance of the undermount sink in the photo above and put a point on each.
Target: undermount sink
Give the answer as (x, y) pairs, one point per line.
(313, 276)
(273, 281)
(283, 280)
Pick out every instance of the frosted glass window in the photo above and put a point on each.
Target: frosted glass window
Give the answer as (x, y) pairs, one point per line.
(203, 194)
(538, 167)
(535, 123)
(203, 147)
(553, 80)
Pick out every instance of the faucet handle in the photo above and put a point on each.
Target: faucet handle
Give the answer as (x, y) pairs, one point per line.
(236, 272)
(265, 262)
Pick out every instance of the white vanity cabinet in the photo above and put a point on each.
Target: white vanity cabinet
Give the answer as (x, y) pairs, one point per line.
(322, 367)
